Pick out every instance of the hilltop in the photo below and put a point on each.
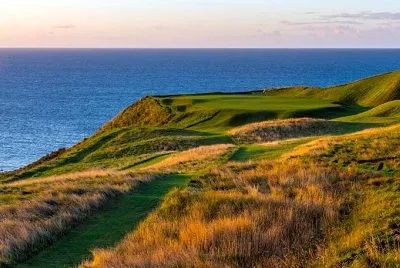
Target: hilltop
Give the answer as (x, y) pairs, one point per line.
(276, 178)
(369, 92)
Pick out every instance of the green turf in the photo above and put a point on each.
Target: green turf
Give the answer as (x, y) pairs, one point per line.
(117, 148)
(150, 161)
(369, 92)
(218, 112)
(239, 109)
(107, 227)
(270, 152)
(387, 113)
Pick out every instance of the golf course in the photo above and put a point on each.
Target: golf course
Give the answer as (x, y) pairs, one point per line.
(283, 177)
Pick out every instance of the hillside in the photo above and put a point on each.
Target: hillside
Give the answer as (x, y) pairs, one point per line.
(220, 112)
(385, 113)
(369, 92)
(156, 126)
(295, 177)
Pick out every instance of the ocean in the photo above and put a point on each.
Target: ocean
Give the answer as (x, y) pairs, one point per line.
(53, 98)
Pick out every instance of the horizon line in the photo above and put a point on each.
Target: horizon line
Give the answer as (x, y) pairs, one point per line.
(209, 48)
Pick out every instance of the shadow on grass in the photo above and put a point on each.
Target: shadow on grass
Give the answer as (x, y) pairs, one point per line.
(148, 161)
(329, 112)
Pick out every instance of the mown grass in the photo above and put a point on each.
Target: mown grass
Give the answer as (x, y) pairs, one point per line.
(254, 107)
(107, 227)
(266, 151)
(217, 113)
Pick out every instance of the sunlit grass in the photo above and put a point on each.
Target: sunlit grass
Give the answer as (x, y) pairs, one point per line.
(34, 213)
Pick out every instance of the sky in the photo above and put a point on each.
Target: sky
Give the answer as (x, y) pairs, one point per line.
(200, 23)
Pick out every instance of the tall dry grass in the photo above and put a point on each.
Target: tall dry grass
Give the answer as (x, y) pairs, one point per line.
(283, 129)
(268, 214)
(192, 160)
(368, 147)
(33, 213)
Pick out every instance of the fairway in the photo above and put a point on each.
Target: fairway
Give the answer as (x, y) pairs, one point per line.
(107, 227)
(266, 151)
(231, 110)
(251, 102)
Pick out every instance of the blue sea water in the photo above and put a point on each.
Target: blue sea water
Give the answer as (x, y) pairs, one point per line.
(54, 98)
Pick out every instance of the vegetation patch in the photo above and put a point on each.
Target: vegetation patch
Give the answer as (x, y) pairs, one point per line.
(387, 113)
(195, 160)
(369, 92)
(283, 129)
(284, 196)
(267, 215)
(108, 226)
(36, 213)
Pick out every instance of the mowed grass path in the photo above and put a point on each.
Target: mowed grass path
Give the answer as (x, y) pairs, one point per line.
(267, 152)
(107, 227)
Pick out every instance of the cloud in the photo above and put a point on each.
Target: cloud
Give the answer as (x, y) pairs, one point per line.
(366, 15)
(160, 28)
(65, 26)
(294, 23)
(331, 30)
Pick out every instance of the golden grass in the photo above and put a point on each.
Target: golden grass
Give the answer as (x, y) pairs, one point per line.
(70, 176)
(369, 237)
(283, 213)
(269, 214)
(33, 213)
(368, 145)
(311, 210)
(274, 130)
(193, 159)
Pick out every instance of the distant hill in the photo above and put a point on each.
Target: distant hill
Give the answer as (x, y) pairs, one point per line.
(369, 92)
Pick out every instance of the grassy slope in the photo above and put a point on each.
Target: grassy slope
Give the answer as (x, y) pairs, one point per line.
(387, 113)
(369, 92)
(107, 227)
(148, 131)
(156, 124)
(236, 110)
(266, 151)
(119, 149)
(273, 214)
(175, 123)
